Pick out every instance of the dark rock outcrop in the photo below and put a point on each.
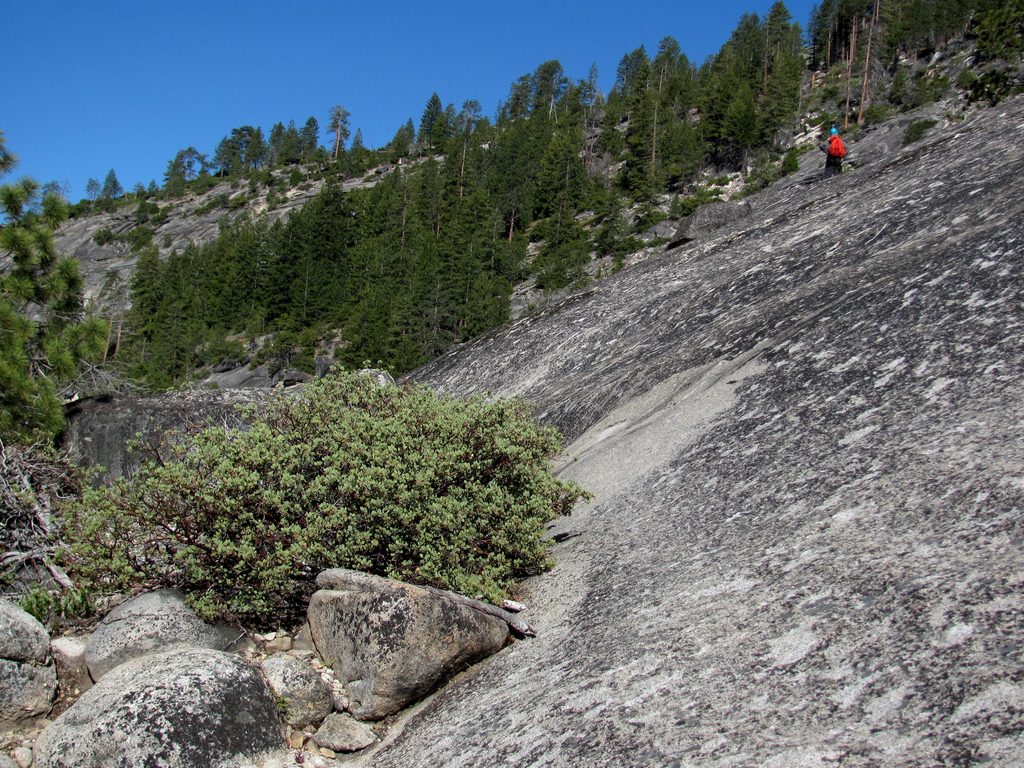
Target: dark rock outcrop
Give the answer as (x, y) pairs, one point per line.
(393, 643)
(805, 433)
(181, 709)
(709, 218)
(99, 431)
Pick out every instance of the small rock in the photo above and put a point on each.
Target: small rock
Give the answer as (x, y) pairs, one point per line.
(6, 762)
(279, 644)
(303, 640)
(296, 739)
(342, 733)
(22, 756)
(328, 752)
(308, 699)
(512, 606)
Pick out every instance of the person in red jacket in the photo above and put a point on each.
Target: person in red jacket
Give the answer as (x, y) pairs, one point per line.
(835, 151)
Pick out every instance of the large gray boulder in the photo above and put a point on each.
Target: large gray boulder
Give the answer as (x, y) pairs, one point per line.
(100, 431)
(393, 643)
(709, 218)
(193, 708)
(155, 621)
(28, 682)
(22, 637)
(27, 690)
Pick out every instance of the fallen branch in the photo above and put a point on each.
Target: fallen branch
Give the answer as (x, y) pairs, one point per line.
(516, 624)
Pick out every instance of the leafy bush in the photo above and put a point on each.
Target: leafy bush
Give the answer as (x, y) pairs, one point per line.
(395, 481)
(916, 130)
(1001, 32)
(685, 206)
(876, 113)
(791, 162)
(51, 607)
(139, 238)
(103, 235)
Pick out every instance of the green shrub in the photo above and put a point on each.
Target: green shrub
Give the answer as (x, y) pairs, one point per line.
(395, 481)
(103, 235)
(791, 162)
(685, 206)
(875, 113)
(139, 237)
(917, 129)
(1001, 32)
(51, 607)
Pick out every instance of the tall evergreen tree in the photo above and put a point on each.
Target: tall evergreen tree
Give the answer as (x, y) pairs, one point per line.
(338, 125)
(44, 334)
(112, 188)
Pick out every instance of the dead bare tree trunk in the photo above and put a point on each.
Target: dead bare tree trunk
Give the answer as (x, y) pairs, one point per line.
(849, 74)
(867, 63)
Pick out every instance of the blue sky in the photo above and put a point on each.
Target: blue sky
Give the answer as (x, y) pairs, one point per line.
(102, 84)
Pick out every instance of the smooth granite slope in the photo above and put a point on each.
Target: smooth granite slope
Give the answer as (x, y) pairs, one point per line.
(806, 435)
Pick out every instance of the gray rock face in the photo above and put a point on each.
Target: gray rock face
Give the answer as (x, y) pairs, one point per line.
(26, 690)
(393, 643)
(27, 683)
(155, 621)
(98, 431)
(806, 434)
(181, 709)
(308, 700)
(22, 637)
(709, 218)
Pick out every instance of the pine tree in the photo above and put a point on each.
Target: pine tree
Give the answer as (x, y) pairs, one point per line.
(112, 188)
(338, 125)
(44, 336)
(429, 121)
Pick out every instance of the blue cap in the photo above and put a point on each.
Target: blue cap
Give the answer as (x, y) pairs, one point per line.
(834, 131)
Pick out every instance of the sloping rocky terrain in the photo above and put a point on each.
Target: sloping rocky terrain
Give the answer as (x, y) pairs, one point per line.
(195, 218)
(805, 435)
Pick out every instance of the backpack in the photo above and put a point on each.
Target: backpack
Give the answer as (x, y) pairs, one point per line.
(836, 148)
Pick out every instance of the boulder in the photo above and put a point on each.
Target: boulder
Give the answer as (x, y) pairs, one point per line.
(192, 708)
(393, 643)
(293, 681)
(27, 683)
(662, 230)
(289, 377)
(26, 689)
(22, 637)
(100, 431)
(709, 218)
(155, 621)
(342, 733)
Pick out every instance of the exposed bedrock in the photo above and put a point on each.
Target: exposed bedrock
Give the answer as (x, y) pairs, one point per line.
(806, 436)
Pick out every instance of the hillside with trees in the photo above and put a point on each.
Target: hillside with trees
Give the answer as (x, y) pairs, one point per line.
(405, 250)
